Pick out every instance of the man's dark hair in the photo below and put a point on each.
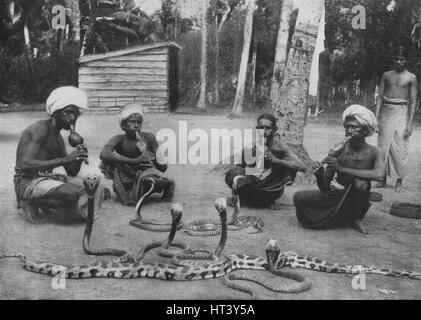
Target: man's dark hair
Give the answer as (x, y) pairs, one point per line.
(269, 117)
(400, 51)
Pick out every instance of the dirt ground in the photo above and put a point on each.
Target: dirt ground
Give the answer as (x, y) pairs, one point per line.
(394, 242)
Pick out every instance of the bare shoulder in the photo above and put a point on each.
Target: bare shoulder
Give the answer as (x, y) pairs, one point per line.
(37, 130)
(148, 135)
(116, 139)
(412, 76)
(376, 151)
(388, 74)
(281, 143)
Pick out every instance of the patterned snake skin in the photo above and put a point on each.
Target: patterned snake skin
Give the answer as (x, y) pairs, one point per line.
(209, 227)
(122, 267)
(278, 260)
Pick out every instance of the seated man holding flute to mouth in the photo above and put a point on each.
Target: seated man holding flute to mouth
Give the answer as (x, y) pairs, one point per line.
(41, 148)
(344, 202)
(130, 157)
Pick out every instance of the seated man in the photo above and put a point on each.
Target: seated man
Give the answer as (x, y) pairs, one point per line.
(280, 168)
(129, 158)
(345, 201)
(41, 148)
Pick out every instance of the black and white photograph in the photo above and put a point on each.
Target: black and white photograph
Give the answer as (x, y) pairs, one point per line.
(210, 150)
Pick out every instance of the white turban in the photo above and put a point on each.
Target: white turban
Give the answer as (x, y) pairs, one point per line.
(62, 97)
(130, 109)
(363, 115)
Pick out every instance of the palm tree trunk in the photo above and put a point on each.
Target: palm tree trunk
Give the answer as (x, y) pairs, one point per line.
(73, 5)
(242, 74)
(291, 105)
(217, 47)
(281, 54)
(216, 66)
(203, 63)
(253, 73)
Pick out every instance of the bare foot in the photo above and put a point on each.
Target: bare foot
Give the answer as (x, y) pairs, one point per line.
(275, 206)
(381, 184)
(361, 227)
(398, 187)
(32, 214)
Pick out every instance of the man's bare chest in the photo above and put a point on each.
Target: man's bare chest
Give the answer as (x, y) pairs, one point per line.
(357, 160)
(52, 147)
(398, 81)
(130, 148)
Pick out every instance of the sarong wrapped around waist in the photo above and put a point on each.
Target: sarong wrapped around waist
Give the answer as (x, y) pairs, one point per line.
(128, 180)
(25, 183)
(260, 192)
(393, 121)
(323, 209)
(36, 185)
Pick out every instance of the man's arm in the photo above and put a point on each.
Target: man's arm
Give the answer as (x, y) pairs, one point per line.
(158, 161)
(290, 160)
(109, 155)
(379, 101)
(33, 141)
(413, 90)
(377, 173)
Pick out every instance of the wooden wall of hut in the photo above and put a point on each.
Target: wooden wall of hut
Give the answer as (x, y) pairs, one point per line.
(144, 75)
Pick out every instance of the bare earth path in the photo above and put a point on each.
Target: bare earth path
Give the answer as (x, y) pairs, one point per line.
(394, 242)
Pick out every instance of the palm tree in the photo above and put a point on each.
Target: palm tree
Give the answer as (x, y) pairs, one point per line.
(281, 54)
(248, 28)
(292, 104)
(203, 63)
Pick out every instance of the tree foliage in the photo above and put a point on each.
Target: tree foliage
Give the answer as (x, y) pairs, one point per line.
(367, 53)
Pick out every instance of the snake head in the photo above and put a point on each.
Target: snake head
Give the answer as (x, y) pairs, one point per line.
(176, 210)
(272, 251)
(221, 205)
(91, 182)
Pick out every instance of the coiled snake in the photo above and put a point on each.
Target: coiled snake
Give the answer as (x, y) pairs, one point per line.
(150, 225)
(209, 227)
(176, 214)
(125, 266)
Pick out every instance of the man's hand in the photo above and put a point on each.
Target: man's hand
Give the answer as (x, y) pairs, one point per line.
(146, 157)
(78, 155)
(271, 157)
(408, 132)
(332, 162)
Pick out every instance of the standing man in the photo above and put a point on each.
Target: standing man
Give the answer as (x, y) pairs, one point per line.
(41, 149)
(398, 90)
